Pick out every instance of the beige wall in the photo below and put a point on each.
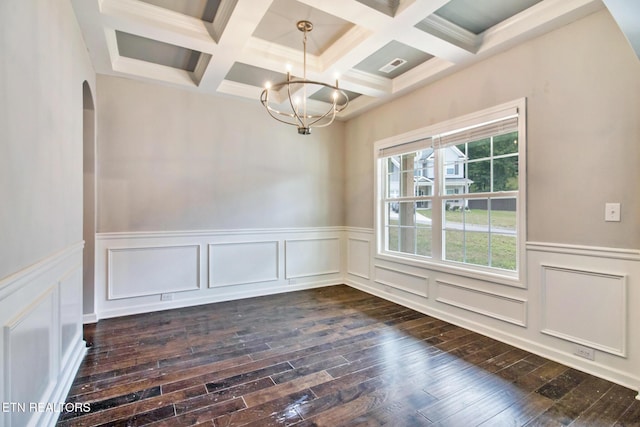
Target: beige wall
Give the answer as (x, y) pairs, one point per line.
(170, 159)
(582, 84)
(43, 65)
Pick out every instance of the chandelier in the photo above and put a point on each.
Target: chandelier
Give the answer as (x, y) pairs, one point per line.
(298, 112)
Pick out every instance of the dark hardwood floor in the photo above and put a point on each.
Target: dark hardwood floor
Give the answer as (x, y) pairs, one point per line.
(327, 357)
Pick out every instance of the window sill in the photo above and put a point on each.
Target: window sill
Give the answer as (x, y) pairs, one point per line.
(507, 279)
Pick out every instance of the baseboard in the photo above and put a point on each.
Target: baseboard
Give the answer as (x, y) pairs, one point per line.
(89, 318)
(200, 300)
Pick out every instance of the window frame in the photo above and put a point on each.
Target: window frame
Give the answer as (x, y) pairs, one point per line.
(416, 140)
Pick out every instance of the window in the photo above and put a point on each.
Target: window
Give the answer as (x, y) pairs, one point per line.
(452, 193)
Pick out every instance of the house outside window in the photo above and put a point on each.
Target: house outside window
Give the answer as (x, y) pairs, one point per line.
(452, 194)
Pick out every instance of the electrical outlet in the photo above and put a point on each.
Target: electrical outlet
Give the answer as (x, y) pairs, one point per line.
(166, 297)
(586, 352)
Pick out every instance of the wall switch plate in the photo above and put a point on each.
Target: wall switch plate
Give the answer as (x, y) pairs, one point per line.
(166, 297)
(583, 351)
(612, 212)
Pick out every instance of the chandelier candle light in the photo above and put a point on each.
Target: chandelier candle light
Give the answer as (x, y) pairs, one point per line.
(297, 113)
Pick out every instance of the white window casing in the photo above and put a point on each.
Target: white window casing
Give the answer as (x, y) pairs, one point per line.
(490, 122)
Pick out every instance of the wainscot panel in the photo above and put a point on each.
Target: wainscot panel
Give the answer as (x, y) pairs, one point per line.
(41, 343)
(149, 271)
(403, 280)
(359, 257)
(31, 350)
(70, 308)
(312, 257)
(601, 321)
(243, 262)
(501, 307)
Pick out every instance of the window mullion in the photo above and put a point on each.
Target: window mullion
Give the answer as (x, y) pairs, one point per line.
(491, 164)
(489, 232)
(437, 231)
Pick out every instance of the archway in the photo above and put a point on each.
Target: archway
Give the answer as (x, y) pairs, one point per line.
(89, 201)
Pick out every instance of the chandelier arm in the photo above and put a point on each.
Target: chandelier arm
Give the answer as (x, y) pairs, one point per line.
(333, 110)
(293, 108)
(333, 116)
(346, 103)
(272, 111)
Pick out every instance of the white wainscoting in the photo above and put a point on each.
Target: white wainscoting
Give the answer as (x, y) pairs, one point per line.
(572, 295)
(312, 257)
(601, 321)
(260, 263)
(149, 271)
(398, 278)
(359, 257)
(498, 306)
(70, 290)
(41, 343)
(589, 296)
(153, 269)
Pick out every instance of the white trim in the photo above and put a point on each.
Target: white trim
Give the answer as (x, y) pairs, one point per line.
(221, 19)
(89, 318)
(65, 381)
(12, 283)
(363, 230)
(212, 233)
(592, 251)
(451, 32)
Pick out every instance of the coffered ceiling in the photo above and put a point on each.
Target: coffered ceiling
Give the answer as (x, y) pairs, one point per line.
(379, 48)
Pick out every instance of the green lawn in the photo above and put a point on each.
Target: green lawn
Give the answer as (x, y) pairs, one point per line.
(503, 249)
(470, 246)
(506, 219)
